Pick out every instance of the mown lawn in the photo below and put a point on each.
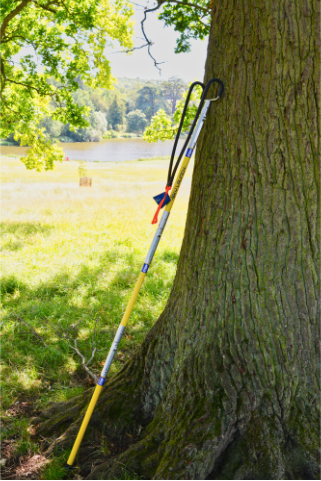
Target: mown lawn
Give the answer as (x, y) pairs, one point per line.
(70, 258)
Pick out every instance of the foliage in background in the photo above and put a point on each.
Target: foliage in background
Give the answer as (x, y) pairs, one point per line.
(67, 40)
(52, 128)
(92, 133)
(116, 112)
(164, 127)
(136, 121)
(149, 100)
(99, 101)
(172, 89)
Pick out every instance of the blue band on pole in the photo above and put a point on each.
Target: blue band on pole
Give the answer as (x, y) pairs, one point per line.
(189, 153)
(101, 381)
(145, 268)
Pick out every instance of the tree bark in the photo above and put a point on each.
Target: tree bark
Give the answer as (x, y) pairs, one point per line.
(226, 383)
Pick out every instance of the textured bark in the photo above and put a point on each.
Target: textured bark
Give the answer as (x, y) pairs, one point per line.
(227, 380)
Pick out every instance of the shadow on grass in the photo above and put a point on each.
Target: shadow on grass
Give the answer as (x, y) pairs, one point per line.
(70, 302)
(170, 256)
(16, 234)
(11, 284)
(25, 228)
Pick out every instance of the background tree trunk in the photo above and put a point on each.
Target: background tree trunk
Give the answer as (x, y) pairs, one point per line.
(226, 383)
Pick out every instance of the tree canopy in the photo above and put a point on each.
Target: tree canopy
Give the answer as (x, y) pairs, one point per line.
(45, 46)
(163, 127)
(191, 20)
(172, 89)
(116, 113)
(149, 100)
(136, 120)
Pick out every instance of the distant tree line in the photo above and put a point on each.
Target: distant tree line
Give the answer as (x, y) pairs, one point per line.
(127, 109)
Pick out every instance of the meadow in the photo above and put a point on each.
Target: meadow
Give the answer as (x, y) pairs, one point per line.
(70, 257)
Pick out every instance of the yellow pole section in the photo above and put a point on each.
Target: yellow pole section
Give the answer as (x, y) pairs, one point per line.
(84, 425)
(99, 388)
(124, 321)
(133, 298)
(178, 182)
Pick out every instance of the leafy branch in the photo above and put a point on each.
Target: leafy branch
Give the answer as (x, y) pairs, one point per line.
(42, 83)
(11, 15)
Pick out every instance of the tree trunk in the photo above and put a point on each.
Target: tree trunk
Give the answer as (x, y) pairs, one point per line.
(226, 383)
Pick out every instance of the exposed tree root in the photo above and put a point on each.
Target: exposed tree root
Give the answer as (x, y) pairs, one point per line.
(256, 444)
(258, 449)
(189, 420)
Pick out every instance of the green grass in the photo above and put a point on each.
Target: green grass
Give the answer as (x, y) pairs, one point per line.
(55, 469)
(71, 255)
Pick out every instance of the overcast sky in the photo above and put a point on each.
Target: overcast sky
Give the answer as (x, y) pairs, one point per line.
(188, 66)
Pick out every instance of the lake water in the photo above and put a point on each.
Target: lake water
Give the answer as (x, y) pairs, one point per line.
(115, 150)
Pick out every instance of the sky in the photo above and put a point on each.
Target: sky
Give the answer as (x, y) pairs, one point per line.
(188, 66)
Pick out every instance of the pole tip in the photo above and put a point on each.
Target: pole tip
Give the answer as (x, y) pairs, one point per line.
(68, 466)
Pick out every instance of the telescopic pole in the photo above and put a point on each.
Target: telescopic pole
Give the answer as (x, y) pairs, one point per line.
(140, 280)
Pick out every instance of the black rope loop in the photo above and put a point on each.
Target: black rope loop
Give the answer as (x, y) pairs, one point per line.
(171, 171)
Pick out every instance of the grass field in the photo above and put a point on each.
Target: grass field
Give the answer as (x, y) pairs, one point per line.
(70, 258)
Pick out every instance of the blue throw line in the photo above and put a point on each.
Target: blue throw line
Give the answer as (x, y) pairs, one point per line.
(158, 199)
